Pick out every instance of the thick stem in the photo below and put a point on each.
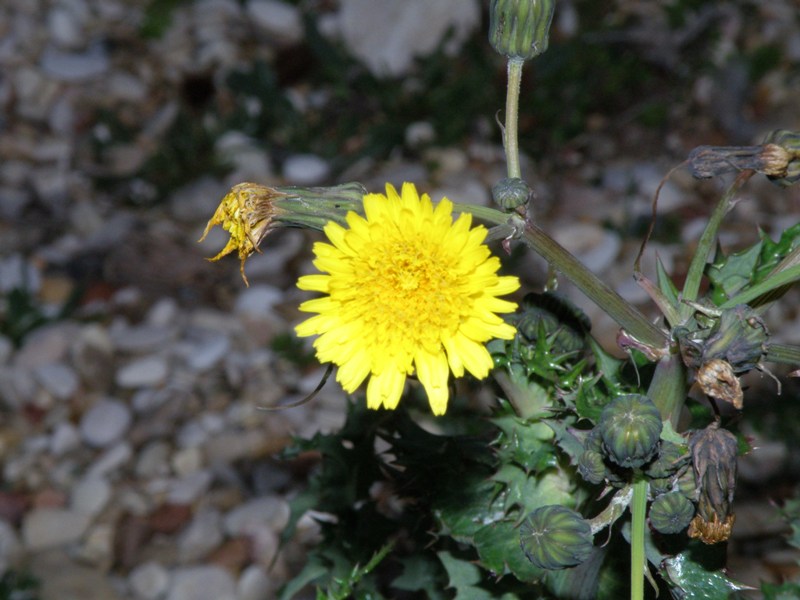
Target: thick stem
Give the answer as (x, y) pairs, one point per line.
(510, 131)
(638, 508)
(668, 388)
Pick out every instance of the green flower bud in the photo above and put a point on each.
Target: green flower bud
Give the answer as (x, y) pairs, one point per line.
(671, 513)
(671, 457)
(556, 318)
(520, 28)
(556, 537)
(630, 427)
(510, 193)
(592, 467)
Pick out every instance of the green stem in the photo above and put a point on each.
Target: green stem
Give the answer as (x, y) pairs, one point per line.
(668, 388)
(638, 507)
(510, 131)
(783, 353)
(707, 240)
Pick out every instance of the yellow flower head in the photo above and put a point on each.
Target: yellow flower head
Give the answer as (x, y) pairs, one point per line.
(408, 290)
(247, 213)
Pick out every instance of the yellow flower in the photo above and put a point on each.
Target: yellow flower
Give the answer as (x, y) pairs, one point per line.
(408, 290)
(247, 213)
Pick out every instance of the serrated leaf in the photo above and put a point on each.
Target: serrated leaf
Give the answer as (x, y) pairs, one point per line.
(499, 549)
(784, 591)
(730, 274)
(465, 578)
(421, 573)
(696, 582)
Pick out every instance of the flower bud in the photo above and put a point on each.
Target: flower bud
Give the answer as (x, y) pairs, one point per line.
(591, 466)
(671, 457)
(556, 537)
(630, 427)
(786, 155)
(511, 192)
(520, 28)
(671, 513)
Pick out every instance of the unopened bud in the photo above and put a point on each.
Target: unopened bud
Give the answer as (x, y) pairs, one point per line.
(510, 193)
(520, 28)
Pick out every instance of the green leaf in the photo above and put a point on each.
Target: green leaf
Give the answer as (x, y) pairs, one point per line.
(499, 548)
(421, 573)
(730, 274)
(666, 285)
(312, 572)
(693, 580)
(784, 591)
(465, 578)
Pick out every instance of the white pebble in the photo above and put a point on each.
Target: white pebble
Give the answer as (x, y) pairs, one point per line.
(201, 357)
(150, 371)
(201, 536)
(110, 460)
(257, 300)
(270, 510)
(90, 495)
(153, 460)
(277, 19)
(45, 528)
(58, 379)
(65, 437)
(255, 584)
(74, 66)
(105, 423)
(202, 583)
(149, 581)
(305, 169)
(190, 488)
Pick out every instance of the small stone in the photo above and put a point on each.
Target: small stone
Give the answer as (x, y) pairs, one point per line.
(110, 460)
(257, 300)
(255, 584)
(63, 578)
(149, 581)
(90, 495)
(278, 20)
(596, 247)
(270, 510)
(140, 339)
(46, 345)
(163, 313)
(92, 355)
(190, 488)
(64, 28)
(150, 371)
(97, 548)
(58, 379)
(6, 348)
(74, 66)
(201, 536)
(105, 423)
(44, 528)
(202, 583)
(187, 461)
(203, 356)
(65, 438)
(419, 134)
(153, 460)
(305, 169)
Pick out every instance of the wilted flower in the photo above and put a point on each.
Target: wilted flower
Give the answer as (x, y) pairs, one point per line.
(714, 452)
(407, 291)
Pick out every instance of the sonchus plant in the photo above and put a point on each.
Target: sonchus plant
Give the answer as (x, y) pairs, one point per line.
(582, 454)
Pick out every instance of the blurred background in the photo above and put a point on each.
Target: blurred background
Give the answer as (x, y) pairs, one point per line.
(136, 460)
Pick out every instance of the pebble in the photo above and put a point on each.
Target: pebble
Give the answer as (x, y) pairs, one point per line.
(257, 300)
(149, 371)
(190, 488)
(149, 581)
(203, 356)
(75, 66)
(140, 339)
(46, 345)
(105, 423)
(201, 536)
(270, 510)
(201, 583)
(44, 528)
(278, 20)
(305, 169)
(110, 460)
(92, 355)
(90, 495)
(153, 460)
(255, 584)
(60, 380)
(596, 247)
(386, 35)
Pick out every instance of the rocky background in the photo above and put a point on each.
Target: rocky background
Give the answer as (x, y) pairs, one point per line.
(137, 459)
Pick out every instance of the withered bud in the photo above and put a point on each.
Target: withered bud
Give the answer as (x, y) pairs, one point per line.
(246, 212)
(717, 379)
(714, 453)
(789, 143)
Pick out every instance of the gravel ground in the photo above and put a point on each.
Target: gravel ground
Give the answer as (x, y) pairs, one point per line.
(136, 460)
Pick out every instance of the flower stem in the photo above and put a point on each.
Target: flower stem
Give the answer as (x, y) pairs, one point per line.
(704, 246)
(638, 506)
(510, 131)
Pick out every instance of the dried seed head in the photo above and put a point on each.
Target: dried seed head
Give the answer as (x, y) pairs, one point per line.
(717, 379)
